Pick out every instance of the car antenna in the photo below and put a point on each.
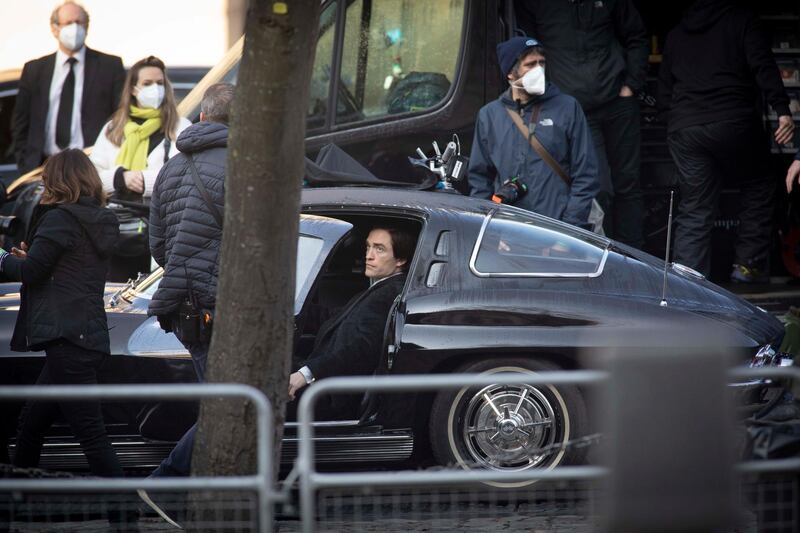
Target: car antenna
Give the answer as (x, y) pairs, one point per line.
(666, 257)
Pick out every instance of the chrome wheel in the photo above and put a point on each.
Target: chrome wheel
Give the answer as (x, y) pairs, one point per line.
(508, 428)
(504, 425)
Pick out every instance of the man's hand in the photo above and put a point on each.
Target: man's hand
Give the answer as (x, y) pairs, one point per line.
(134, 180)
(296, 382)
(785, 131)
(625, 92)
(792, 175)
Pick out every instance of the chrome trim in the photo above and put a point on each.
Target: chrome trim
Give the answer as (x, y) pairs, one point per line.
(134, 452)
(480, 274)
(164, 354)
(686, 271)
(325, 424)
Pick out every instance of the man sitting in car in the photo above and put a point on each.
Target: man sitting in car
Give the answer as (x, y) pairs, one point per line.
(350, 343)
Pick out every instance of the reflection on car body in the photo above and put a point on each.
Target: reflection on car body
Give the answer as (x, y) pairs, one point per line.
(557, 294)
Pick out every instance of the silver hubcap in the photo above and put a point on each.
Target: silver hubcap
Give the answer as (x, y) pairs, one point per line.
(505, 424)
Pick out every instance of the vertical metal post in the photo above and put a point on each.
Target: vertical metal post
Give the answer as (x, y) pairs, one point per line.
(305, 460)
(265, 470)
(669, 439)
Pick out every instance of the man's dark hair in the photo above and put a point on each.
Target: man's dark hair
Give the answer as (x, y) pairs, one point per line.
(216, 104)
(403, 243)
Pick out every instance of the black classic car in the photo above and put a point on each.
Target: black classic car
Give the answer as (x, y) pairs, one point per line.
(491, 288)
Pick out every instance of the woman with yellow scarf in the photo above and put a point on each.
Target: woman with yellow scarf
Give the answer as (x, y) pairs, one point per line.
(140, 137)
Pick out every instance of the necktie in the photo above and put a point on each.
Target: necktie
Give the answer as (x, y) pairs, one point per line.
(64, 120)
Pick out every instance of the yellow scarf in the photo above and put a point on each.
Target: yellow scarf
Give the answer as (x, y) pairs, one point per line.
(133, 151)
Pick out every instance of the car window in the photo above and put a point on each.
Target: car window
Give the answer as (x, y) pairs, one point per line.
(308, 254)
(398, 56)
(517, 244)
(7, 99)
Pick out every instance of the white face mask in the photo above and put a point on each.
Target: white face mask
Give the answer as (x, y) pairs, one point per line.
(150, 96)
(533, 81)
(72, 36)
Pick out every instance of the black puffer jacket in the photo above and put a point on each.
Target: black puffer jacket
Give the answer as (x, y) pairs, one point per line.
(63, 277)
(593, 47)
(722, 83)
(184, 237)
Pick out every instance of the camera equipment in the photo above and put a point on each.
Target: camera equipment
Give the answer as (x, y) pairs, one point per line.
(510, 191)
(450, 166)
(9, 225)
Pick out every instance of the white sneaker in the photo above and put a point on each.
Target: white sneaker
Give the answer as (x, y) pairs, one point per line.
(155, 507)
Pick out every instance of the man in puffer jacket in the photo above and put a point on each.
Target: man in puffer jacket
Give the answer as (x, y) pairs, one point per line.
(185, 237)
(501, 152)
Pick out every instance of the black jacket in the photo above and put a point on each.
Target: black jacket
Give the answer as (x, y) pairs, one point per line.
(593, 47)
(63, 277)
(184, 237)
(722, 83)
(103, 79)
(351, 343)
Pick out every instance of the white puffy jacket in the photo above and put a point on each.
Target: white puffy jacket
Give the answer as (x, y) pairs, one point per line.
(104, 156)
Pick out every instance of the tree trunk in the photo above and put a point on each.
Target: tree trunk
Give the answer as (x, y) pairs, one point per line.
(253, 329)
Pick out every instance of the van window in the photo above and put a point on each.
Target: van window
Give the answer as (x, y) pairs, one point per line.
(321, 72)
(7, 99)
(398, 56)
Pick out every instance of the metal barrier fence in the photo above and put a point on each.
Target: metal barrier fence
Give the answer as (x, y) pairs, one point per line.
(311, 481)
(564, 498)
(237, 507)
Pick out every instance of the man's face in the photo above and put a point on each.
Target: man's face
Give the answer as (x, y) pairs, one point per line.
(381, 261)
(530, 60)
(68, 14)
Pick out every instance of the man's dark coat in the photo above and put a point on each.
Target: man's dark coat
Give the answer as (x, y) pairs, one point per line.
(103, 79)
(351, 343)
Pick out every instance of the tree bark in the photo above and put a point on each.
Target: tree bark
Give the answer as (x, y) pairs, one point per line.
(253, 329)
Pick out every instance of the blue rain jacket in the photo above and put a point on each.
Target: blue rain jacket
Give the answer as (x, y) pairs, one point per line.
(500, 152)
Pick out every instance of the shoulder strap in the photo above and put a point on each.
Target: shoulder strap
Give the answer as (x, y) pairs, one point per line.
(204, 192)
(166, 148)
(529, 134)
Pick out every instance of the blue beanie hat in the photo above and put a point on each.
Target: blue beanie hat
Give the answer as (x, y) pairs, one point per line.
(508, 52)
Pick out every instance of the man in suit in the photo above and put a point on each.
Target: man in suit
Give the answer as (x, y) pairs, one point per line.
(64, 98)
(351, 342)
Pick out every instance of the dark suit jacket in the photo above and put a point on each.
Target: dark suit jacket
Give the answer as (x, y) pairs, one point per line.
(103, 79)
(351, 343)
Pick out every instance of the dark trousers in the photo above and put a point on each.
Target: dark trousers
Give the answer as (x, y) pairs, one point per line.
(617, 139)
(68, 364)
(709, 156)
(179, 461)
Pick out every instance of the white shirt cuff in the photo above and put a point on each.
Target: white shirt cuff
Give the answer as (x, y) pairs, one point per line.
(307, 374)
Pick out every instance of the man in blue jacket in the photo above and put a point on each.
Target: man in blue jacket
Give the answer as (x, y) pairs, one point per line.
(501, 152)
(598, 54)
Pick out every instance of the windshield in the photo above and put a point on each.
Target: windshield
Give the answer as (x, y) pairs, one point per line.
(308, 252)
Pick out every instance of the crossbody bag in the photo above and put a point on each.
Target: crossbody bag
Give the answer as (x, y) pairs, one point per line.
(194, 322)
(596, 214)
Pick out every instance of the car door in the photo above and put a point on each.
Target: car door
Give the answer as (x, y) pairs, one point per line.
(318, 236)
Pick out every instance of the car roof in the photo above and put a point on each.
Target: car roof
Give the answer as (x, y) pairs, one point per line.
(394, 198)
